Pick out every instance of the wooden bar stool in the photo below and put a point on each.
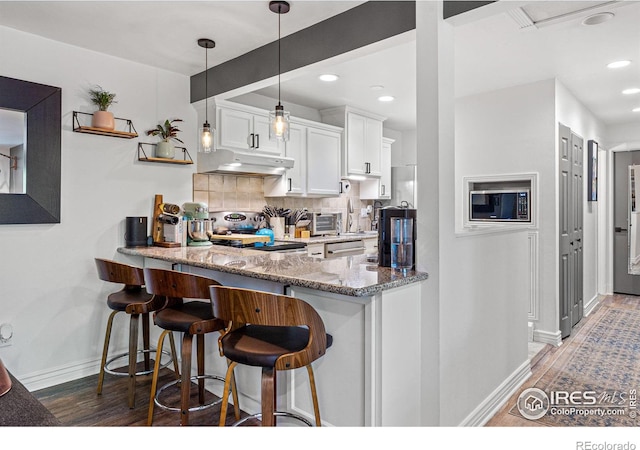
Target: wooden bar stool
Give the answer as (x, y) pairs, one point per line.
(275, 332)
(192, 318)
(135, 301)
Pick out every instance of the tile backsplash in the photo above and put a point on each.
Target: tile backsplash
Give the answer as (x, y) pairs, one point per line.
(242, 193)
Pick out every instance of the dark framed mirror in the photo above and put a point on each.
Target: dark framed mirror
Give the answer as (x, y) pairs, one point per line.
(42, 105)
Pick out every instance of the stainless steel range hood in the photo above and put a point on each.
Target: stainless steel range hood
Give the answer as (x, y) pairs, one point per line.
(235, 162)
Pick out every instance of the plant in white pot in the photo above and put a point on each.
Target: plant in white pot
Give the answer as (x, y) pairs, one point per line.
(168, 132)
(103, 100)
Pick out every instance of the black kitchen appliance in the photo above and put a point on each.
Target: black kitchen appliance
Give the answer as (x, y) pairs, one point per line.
(135, 234)
(384, 233)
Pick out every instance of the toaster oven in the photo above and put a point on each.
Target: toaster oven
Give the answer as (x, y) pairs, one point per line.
(325, 223)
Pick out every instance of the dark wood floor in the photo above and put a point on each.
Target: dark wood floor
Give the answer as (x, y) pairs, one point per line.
(76, 403)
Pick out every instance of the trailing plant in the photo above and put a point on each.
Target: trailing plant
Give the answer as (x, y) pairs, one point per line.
(101, 98)
(166, 131)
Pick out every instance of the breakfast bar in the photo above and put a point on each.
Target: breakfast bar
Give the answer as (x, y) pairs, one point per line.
(370, 375)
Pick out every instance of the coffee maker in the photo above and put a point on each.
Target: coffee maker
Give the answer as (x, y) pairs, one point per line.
(385, 238)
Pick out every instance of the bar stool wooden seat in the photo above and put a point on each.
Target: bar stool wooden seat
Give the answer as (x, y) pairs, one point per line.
(192, 318)
(271, 331)
(134, 300)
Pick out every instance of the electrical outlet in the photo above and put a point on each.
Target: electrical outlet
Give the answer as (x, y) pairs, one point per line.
(6, 334)
(363, 212)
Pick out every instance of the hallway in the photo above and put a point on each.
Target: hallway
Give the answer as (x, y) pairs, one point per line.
(598, 362)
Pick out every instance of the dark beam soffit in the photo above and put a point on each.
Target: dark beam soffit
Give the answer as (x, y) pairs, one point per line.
(363, 25)
(360, 26)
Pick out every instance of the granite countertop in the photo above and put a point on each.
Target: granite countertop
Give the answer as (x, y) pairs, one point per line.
(327, 239)
(355, 276)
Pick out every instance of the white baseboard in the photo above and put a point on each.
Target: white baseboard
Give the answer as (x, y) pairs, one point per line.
(59, 375)
(590, 305)
(548, 337)
(490, 406)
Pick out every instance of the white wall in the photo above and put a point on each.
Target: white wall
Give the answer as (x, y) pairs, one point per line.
(49, 288)
(511, 131)
(576, 116)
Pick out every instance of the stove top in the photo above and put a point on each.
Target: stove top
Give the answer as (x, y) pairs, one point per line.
(275, 247)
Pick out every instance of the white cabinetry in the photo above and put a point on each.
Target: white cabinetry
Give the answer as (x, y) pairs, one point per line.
(379, 189)
(362, 140)
(315, 250)
(245, 128)
(316, 149)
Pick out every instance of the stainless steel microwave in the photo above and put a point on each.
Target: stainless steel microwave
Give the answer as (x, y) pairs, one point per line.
(500, 206)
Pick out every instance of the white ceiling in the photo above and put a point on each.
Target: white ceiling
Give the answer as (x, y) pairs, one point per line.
(490, 53)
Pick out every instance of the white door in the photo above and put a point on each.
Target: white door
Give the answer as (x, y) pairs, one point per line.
(323, 162)
(356, 136)
(234, 128)
(385, 170)
(373, 147)
(296, 148)
(261, 141)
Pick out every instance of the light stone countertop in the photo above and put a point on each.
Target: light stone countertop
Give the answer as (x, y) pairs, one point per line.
(328, 239)
(354, 276)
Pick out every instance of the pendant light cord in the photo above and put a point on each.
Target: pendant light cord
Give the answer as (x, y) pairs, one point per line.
(279, 15)
(206, 85)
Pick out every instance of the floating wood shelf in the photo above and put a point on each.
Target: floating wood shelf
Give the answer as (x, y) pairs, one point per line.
(129, 133)
(142, 155)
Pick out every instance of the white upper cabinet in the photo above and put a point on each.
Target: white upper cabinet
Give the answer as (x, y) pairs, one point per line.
(323, 161)
(362, 140)
(379, 189)
(245, 128)
(316, 148)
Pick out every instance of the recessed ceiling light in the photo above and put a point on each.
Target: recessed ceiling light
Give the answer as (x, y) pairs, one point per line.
(618, 64)
(597, 19)
(631, 91)
(376, 87)
(328, 77)
(636, 110)
(236, 164)
(386, 98)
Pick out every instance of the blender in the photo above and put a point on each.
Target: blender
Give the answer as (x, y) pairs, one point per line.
(198, 224)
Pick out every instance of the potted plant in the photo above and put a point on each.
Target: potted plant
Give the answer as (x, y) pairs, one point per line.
(102, 99)
(168, 132)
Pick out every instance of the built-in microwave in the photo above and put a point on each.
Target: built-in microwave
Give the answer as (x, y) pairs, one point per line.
(500, 205)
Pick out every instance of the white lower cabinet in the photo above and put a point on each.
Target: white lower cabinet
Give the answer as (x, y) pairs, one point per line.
(370, 245)
(316, 172)
(315, 250)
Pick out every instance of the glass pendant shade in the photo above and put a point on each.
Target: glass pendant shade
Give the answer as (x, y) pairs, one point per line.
(279, 124)
(206, 138)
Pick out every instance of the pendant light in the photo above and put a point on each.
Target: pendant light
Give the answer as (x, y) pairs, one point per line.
(206, 132)
(279, 118)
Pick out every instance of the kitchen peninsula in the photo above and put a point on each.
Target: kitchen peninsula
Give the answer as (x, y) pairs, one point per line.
(370, 376)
